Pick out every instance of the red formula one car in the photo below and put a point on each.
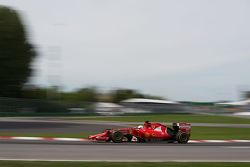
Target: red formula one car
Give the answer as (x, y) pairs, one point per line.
(180, 132)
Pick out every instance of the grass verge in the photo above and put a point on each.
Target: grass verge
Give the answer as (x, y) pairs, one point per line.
(170, 118)
(202, 133)
(119, 164)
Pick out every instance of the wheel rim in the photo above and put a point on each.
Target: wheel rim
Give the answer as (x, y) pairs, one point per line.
(183, 137)
(117, 137)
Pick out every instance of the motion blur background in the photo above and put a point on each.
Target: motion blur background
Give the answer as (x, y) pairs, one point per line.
(118, 57)
(70, 69)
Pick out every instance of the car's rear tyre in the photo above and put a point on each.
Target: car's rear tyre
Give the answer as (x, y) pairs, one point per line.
(182, 137)
(117, 136)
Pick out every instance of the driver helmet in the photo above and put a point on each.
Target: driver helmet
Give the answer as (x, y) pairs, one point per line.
(140, 126)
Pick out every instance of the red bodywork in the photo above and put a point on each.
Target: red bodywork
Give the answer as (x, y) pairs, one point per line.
(147, 132)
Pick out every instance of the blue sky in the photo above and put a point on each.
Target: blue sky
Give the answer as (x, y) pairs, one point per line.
(181, 50)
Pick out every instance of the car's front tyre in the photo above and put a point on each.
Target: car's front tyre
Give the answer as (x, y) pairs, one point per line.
(117, 136)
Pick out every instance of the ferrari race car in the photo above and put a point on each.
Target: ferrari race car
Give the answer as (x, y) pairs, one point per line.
(180, 132)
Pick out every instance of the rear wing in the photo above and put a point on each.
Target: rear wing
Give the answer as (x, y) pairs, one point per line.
(182, 126)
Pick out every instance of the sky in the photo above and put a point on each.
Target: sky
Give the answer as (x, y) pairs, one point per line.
(196, 50)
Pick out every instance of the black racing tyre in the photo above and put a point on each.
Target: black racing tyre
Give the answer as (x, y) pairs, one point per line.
(182, 137)
(117, 136)
(129, 137)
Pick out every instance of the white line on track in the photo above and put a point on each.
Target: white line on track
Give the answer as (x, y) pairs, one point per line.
(241, 141)
(27, 138)
(218, 141)
(69, 139)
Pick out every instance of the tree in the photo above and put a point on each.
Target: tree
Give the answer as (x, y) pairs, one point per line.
(16, 53)
(88, 94)
(123, 94)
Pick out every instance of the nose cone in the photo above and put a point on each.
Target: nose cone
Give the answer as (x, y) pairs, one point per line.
(92, 137)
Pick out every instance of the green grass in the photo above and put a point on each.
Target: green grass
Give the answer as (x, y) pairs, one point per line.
(220, 133)
(201, 133)
(170, 118)
(119, 164)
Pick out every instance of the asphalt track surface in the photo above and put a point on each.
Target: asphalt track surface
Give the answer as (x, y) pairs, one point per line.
(153, 152)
